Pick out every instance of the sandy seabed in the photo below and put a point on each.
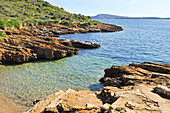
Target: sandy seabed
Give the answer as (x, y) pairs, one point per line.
(6, 106)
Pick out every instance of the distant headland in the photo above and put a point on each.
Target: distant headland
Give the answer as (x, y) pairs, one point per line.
(109, 16)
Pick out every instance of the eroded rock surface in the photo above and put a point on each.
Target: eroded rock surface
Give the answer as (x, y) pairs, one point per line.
(68, 101)
(139, 97)
(108, 99)
(163, 91)
(32, 43)
(145, 73)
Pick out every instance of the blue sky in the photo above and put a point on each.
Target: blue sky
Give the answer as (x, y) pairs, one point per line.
(139, 8)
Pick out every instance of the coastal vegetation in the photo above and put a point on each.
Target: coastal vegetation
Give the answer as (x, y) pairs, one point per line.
(18, 13)
(119, 108)
(28, 33)
(32, 24)
(2, 35)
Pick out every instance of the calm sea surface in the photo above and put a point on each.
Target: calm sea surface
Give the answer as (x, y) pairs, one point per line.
(141, 40)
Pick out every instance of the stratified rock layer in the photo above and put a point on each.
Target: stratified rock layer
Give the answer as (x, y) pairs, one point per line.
(28, 44)
(145, 73)
(32, 43)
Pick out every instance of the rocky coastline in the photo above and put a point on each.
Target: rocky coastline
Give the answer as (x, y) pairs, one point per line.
(136, 88)
(34, 43)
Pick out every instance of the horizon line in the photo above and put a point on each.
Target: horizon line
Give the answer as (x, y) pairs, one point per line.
(128, 16)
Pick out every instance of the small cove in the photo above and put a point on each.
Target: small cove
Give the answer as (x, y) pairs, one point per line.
(141, 40)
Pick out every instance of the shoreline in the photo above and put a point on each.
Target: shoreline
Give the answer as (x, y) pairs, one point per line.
(127, 88)
(41, 39)
(7, 106)
(37, 42)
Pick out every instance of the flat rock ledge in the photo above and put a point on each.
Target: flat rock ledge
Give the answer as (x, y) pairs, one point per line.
(140, 97)
(108, 99)
(133, 74)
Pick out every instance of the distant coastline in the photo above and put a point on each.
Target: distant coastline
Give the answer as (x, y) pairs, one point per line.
(109, 16)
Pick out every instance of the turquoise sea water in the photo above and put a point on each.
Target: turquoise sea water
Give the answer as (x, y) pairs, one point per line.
(141, 40)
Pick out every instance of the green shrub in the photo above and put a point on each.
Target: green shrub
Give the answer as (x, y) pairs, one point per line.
(54, 17)
(119, 108)
(96, 22)
(62, 22)
(70, 23)
(14, 16)
(18, 38)
(2, 22)
(2, 35)
(53, 21)
(37, 15)
(90, 23)
(8, 24)
(47, 12)
(47, 8)
(87, 18)
(40, 1)
(6, 14)
(14, 22)
(33, 11)
(26, 13)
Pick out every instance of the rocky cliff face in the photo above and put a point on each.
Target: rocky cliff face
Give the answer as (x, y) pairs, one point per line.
(32, 43)
(143, 96)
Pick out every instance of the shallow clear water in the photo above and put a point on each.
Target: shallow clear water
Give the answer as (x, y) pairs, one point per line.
(141, 40)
